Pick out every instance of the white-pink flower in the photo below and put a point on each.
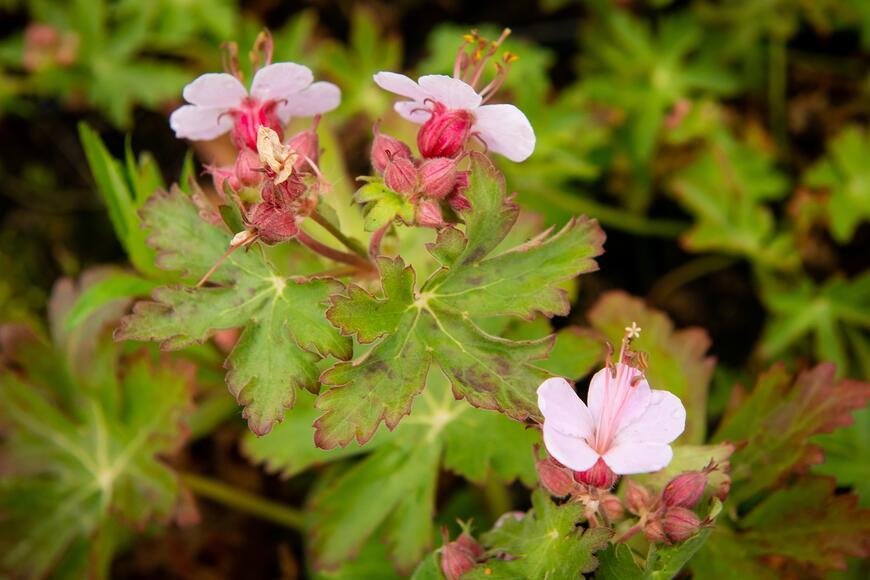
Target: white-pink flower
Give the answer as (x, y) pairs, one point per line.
(626, 424)
(218, 101)
(503, 129)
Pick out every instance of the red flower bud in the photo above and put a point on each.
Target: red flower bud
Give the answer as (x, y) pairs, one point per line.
(221, 176)
(438, 176)
(272, 223)
(685, 490)
(638, 499)
(599, 475)
(401, 175)
(554, 478)
(248, 118)
(247, 168)
(385, 148)
(306, 144)
(680, 524)
(612, 507)
(429, 214)
(445, 133)
(654, 531)
(459, 557)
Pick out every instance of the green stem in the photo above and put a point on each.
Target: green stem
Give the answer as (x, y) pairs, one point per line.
(777, 89)
(210, 413)
(498, 500)
(244, 501)
(349, 243)
(688, 272)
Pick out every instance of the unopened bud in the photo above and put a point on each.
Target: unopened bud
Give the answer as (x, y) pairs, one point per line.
(429, 214)
(459, 557)
(612, 507)
(685, 490)
(306, 144)
(445, 133)
(438, 176)
(638, 499)
(247, 168)
(680, 524)
(654, 531)
(401, 175)
(599, 475)
(273, 224)
(385, 148)
(556, 480)
(221, 177)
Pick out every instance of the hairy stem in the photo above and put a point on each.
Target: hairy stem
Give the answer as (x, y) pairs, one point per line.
(333, 254)
(244, 501)
(375, 242)
(350, 244)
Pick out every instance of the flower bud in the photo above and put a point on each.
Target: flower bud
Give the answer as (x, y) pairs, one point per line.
(445, 133)
(680, 524)
(249, 117)
(385, 148)
(438, 176)
(272, 223)
(306, 144)
(638, 499)
(401, 175)
(654, 531)
(599, 475)
(459, 557)
(685, 490)
(247, 168)
(429, 214)
(221, 176)
(612, 507)
(554, 479)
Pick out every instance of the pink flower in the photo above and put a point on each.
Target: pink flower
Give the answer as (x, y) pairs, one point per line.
(219, 103)
(627, 425)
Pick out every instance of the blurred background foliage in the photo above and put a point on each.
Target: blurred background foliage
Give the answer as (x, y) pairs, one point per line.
(723, 146)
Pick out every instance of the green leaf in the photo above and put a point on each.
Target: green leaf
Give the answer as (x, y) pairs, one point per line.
(678, 361)
(383, 205)
(415, 327)
(284, 332)
(546, 543)
(847, 455)
(118, 285)
(845, 175)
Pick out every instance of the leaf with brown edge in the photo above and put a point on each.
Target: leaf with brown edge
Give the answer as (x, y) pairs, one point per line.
(285, 330)
(678, 358)
(778, 418)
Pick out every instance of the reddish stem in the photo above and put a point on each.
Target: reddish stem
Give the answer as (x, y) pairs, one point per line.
(375, 242)
(331, 253)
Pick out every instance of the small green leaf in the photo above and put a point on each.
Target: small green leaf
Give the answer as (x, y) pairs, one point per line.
(383, 205)
(114, 286)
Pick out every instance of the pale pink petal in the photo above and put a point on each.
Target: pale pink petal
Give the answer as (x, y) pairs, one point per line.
(506, 130)
(280, 81)
(663, 421)
(563, 410)
(215, 90)
(604, 387)
(316, 99)
(413, 111)
(571, 452)
(199, 123)
(400, 85)
(453, 93)
(632, 458)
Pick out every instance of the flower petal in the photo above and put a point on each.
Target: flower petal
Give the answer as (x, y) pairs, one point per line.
(604, 387)
(506, 130)
(400, 85)
(280, 81)
(453, 93)
(563, 410)
(215, 90)
(317, 98)
(413, 111)
(199, 123)
(633, 458)
(663, 421)
(572, 452)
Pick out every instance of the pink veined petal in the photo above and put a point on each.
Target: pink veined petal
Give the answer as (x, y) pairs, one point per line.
(663, 421)
(199, 123)
(280, 81)
(215, 90)
(563, 410)
(413, 111)
(571, 452)
(316, 99)
(400, 85)
(630, 458)
(506, 130)
(453, 93)
(603, 386)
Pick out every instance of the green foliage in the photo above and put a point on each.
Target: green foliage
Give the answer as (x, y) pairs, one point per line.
(383, 205)
(85, 431)
(413, 327)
